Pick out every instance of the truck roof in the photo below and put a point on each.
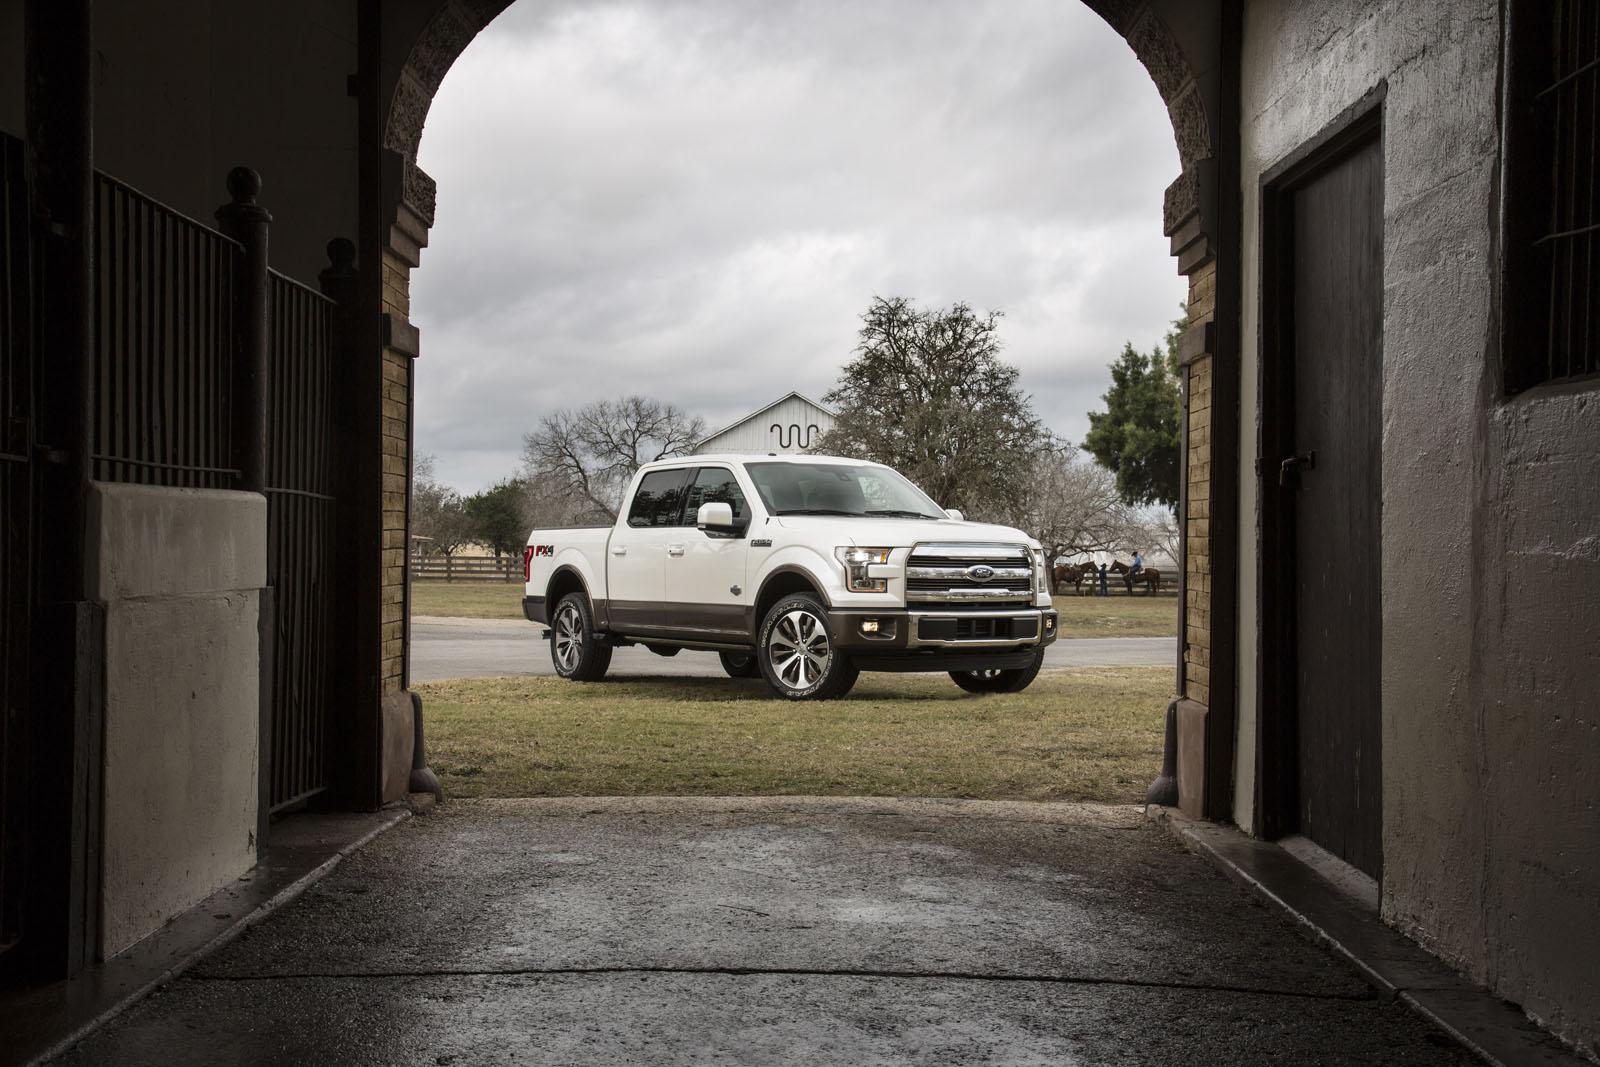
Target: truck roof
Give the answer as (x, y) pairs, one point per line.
(755, 457)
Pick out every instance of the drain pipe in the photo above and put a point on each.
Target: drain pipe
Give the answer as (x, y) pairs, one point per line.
(423, 780)
(1164, 790)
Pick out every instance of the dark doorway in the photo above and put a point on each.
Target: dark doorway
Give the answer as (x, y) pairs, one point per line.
(1321, 469)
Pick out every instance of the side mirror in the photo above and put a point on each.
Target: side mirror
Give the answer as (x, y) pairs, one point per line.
(955, 513)
(717, 517)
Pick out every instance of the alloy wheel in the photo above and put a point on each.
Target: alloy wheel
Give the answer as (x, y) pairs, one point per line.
(798, 649)
(568, 638)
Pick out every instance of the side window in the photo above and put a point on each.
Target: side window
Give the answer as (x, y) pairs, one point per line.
(658, 500)
(1552, 216)
(715, 485)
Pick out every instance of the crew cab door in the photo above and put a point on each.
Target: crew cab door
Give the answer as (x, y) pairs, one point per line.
(636, 555)
(706, 569)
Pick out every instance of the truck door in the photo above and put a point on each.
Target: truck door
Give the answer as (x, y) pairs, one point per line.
(637, 552)
(706, 570)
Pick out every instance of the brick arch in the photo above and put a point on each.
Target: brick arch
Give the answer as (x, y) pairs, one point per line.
(1184, 64)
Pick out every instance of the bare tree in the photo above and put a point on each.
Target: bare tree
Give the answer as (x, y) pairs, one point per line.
(928, 394)
(438, 512)
(1073, 506)
(591, 452)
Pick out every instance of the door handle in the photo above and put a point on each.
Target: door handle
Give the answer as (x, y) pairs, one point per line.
(619, 550)
(674, 550)
(1289, 470)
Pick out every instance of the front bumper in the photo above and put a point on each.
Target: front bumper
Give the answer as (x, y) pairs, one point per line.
(911, 640)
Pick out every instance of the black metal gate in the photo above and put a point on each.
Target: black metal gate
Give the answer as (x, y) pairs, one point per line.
(301, 509)
(16, 516)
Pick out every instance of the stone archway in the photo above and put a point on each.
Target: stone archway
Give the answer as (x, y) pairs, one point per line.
(1181, 45)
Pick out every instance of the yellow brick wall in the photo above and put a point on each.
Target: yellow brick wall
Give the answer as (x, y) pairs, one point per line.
(396, 389)
(1197, 520)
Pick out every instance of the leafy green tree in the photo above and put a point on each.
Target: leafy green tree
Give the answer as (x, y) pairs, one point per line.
(928, 394)
(1136, 437)
(496, 517)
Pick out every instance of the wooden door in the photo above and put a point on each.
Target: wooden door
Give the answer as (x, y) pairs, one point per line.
(1334, 495)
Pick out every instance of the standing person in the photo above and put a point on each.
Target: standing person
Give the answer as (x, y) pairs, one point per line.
(1105, 590)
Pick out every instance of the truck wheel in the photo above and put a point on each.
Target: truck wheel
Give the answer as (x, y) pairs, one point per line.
(740, 664)
(1012, 681)
(796, 654)
(575, 649)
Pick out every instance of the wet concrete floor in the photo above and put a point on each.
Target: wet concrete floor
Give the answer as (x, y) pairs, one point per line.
(770, 931)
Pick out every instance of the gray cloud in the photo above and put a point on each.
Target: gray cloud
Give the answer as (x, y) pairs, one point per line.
(694, 199)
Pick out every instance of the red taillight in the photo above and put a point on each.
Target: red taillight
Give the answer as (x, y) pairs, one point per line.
(527, 563)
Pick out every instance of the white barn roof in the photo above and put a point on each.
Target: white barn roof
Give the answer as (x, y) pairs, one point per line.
(790, 424)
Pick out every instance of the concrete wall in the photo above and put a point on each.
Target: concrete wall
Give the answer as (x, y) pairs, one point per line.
(1491, 552)
(179, 572)
(177, 107)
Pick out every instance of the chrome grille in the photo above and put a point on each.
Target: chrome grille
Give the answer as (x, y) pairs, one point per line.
(960, 574)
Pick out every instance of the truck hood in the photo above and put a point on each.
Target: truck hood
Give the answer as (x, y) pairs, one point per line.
(897, 533)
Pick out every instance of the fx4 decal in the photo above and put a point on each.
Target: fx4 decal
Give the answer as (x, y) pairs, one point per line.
(544, 550)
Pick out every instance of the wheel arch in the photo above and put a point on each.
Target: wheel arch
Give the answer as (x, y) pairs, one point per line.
(563, 580)
(784, 581)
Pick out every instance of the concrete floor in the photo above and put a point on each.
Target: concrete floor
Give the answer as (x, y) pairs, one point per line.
(493, 648)
(770, 931)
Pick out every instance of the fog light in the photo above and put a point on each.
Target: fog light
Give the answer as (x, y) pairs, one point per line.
(1049, 623)
(869, 626)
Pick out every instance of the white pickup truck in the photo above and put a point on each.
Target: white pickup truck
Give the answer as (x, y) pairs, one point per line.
(804, 569)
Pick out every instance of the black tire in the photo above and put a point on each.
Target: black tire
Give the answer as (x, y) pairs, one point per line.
(796, 655)
(740, 664)
(1012, 681)
(576, 650)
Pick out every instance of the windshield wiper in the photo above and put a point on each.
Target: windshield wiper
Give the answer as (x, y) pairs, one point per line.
(820, 511)
(901, 513)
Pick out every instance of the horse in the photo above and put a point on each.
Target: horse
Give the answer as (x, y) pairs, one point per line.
(1149, 577)
(1075, 571)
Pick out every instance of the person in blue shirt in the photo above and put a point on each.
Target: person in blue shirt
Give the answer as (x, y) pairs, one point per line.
(1138, 564)
(1105, 590)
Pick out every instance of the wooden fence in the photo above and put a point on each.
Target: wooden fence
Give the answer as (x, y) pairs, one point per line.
(467, 568)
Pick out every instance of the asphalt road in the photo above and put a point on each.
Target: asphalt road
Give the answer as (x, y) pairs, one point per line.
(493, 648)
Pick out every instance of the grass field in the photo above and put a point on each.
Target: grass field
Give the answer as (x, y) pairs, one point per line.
(1114, 616)
(469, 600)
(1082, 734)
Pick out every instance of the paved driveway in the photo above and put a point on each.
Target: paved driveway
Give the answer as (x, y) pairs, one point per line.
(491, 648)
(770, 931)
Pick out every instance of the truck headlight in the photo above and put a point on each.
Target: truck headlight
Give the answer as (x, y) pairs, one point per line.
(857, 561)
(1041, 583)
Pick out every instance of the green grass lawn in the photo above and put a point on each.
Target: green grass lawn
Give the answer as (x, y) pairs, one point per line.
(1082, 734)
(470, 600)
(1113, 616)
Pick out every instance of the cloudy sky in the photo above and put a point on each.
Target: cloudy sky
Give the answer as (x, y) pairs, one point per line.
(696, 199)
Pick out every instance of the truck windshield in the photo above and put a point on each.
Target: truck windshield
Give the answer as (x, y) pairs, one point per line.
(838, 489)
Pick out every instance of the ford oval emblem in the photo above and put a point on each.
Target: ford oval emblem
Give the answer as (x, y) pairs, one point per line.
(980, 573)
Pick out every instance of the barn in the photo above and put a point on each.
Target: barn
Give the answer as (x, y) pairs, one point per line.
(792, 423)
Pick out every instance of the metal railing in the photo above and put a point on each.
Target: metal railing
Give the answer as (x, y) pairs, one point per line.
(16, 519)
(301, 514)
(164, 344)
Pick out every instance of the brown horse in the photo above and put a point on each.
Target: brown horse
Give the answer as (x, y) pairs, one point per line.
(1076, 573)
(1149, 577)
